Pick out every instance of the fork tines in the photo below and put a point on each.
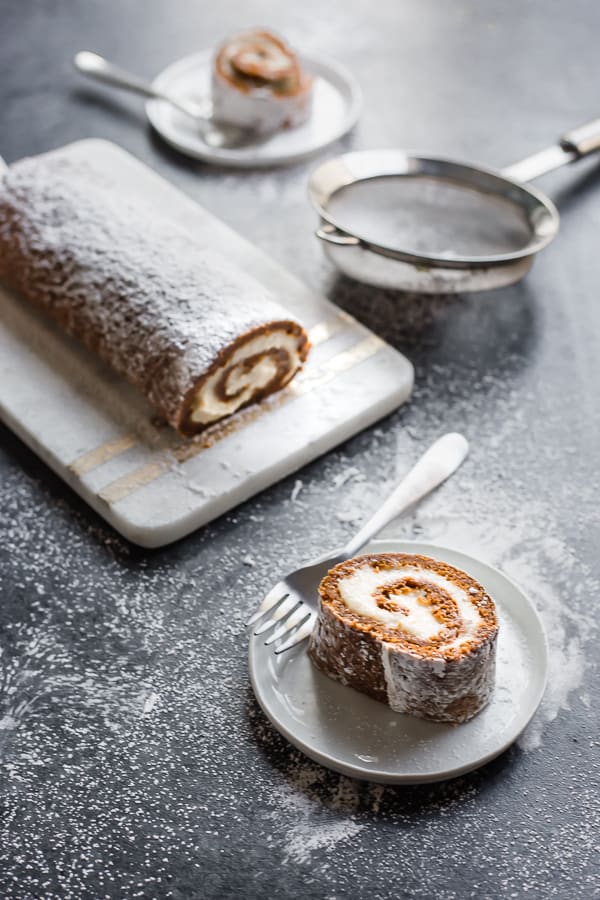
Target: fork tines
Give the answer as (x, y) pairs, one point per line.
(298, 636)
(285, 612)
(276, 595)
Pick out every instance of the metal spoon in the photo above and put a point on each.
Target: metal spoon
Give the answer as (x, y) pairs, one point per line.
(221, 136)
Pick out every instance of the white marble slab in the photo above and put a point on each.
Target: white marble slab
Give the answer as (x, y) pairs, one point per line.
(102, 438)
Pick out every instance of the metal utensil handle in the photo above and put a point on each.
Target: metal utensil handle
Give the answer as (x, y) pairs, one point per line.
(102, 70)
(573, 145)
(582, 140)
(438, 463)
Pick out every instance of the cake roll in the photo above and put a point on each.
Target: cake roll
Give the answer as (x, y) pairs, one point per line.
(258, 83)
(410, 631)
(197, 335)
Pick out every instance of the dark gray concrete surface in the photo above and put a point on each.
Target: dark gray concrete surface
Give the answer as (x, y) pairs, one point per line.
(134, 761)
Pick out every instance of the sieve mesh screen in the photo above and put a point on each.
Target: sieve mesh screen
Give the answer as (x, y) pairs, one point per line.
(431, 215)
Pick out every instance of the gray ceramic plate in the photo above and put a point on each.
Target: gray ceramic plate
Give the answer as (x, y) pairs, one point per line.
(352, 734)
(337, 103)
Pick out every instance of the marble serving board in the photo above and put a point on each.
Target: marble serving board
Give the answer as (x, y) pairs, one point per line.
(106, 442)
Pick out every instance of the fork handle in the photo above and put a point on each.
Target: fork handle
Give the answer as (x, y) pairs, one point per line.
(438, 463)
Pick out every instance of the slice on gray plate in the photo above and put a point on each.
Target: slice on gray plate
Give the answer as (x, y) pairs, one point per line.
(359, 737)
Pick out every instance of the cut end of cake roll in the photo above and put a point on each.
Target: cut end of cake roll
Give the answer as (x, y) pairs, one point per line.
(410, 631)
(252, 367)
(258, 83)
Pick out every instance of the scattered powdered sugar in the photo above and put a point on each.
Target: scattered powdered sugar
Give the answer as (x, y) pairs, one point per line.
(356, 496)
(317, 811)
(296, 490)
(306, 838)
(199, 488)
(315, 826)
(149, 702)
(350, 515)
(345, 475)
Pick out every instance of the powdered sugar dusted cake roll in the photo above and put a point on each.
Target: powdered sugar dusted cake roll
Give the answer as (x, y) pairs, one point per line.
(415, 633)
(258, 83)
(197, 335)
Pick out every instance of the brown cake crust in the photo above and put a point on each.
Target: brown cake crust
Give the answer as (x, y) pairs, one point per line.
(161, 310)
(347, 654)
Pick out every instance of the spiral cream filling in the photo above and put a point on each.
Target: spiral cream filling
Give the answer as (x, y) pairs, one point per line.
(241, 377)
(261, 56)
(414, 613)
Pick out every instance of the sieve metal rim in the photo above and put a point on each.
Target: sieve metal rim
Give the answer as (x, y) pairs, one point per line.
(349, 168)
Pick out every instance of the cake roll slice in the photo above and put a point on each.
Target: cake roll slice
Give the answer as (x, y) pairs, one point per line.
(258, 83)
(412, 632)
(197, 335)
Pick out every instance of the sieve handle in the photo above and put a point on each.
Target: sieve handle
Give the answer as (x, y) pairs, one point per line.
(582, 140)
(572, 145)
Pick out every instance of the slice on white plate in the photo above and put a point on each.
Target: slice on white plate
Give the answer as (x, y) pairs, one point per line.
(336, 105)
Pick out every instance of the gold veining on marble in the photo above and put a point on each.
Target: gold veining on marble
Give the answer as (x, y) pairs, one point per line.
(97, 457)
(306, 382)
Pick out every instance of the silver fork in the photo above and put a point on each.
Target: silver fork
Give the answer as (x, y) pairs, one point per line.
(290, 608)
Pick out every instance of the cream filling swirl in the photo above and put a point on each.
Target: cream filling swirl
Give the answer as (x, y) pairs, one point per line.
(241, 383)
(358, 591)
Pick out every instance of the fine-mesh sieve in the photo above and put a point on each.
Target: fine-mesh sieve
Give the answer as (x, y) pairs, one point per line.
(418, 223)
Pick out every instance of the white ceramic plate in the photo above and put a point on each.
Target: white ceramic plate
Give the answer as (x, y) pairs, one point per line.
(336, 106)
(352, 734)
